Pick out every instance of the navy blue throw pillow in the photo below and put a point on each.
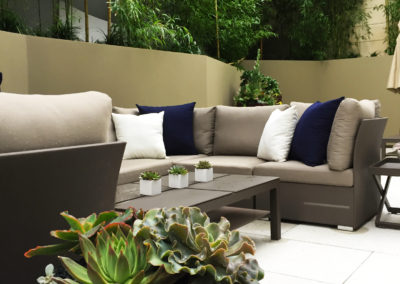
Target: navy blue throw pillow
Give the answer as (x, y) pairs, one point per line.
(311, 136)
(177, 128)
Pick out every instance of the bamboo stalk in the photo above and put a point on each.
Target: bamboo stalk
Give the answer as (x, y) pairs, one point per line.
(217, 29)
(86, 20)
(40, 16)
(56, 11)
(261, 48)
(109, 17)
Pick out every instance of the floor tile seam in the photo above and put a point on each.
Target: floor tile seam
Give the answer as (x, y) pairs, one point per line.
(299, 277)
(358, 267)
(329, 245)
(295, 226)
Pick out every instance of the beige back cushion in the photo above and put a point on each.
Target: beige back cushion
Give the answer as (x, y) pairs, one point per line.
(300, 107)
(203, 127)
(29, 122)
(344, 131)
(238, 129)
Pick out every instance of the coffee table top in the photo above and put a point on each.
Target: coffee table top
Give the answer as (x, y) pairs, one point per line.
(196, 193)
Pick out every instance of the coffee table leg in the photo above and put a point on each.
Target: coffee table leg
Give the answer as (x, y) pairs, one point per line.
(275, 214)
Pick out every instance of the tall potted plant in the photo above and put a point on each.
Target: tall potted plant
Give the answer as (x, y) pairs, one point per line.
(257, 89)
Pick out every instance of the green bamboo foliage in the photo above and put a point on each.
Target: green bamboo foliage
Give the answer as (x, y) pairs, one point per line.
(392, 11)
(136, 24)
(317, 29)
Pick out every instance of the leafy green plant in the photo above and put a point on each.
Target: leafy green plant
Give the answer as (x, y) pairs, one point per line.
(150, 175)
(10, 21)
(392, 11)
(184, 241)
(136, 24)
(63, 30)
(239, 24)
(257, 89)
(203, 165)
(87, 227)
(177, 170)
(316, 29)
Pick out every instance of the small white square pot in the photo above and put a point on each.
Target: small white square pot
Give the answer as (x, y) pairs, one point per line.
(150, 187)
(178, 181)
(203, 175)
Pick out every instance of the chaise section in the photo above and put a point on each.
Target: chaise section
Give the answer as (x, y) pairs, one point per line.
(294, 171)
(131, 169)
(241, 165)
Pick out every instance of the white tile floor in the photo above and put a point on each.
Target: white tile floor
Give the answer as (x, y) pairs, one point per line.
(318, 254)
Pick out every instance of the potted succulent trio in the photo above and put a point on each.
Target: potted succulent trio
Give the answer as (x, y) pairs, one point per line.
(203, 171)
(178, 177)
(150, 183)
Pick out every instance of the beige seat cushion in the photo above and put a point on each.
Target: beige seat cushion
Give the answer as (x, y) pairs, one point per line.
(344, 131)
(242, 165)
(29, 122)
(203, 127)
(178, 158)
(131, 169)
(238, 129)
(295, 171)
(300, 107)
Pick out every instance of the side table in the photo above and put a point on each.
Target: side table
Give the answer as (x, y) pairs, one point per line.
(388, 141)
(387, 167)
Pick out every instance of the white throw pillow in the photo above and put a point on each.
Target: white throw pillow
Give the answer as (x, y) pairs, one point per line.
(143, 135)
(277, 135)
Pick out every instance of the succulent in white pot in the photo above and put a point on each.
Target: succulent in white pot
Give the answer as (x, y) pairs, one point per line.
(178, 177)
(203, 171)
(150, 183)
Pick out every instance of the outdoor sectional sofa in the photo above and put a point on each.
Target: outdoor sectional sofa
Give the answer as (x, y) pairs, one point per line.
(228, 137)
(60, 153)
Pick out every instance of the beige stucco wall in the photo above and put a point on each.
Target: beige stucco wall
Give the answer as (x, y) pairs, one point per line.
(128, 75)
(14, 62)
(296, 78)
(221, 79)
(360, 78)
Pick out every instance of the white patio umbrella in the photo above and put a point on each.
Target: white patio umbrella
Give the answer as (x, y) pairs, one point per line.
(394, 76)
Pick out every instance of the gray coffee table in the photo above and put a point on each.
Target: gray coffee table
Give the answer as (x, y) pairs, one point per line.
(223, 190)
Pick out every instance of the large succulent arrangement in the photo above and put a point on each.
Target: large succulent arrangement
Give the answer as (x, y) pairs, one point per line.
(175, 245)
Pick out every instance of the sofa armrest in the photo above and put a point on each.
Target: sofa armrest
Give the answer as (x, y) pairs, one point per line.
(35, 186)
(366, 152)
(368, 143)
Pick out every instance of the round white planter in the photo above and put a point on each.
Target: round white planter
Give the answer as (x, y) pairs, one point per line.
(178, 181)
(150, 187)
(203, 175)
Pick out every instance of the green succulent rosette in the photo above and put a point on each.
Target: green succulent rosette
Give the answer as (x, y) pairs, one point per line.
(183, 241)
